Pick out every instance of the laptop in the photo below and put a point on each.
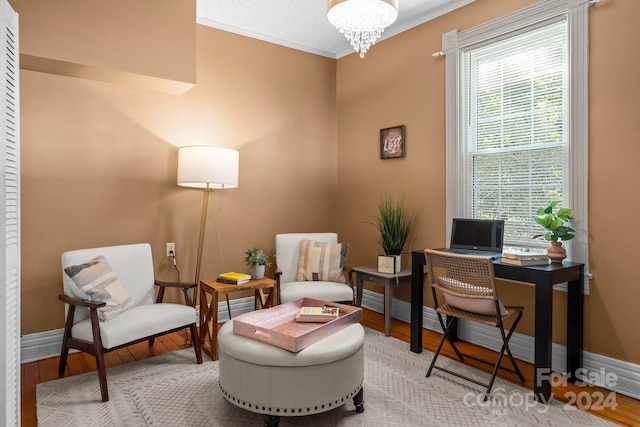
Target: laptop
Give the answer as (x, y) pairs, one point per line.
(477, 237)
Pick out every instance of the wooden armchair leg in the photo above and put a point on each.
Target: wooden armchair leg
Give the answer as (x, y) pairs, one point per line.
(102, 376)
(196, 342)
(62, 366)
(99, 354)
(64, 351)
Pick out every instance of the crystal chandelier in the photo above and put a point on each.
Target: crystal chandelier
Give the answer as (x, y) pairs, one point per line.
(362, 21)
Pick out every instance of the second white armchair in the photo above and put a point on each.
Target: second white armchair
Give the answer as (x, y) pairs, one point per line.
(312, 265)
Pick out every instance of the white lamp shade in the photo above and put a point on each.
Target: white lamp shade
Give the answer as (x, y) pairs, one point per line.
(204, 166)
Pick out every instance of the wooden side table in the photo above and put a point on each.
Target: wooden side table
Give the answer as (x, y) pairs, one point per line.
(209, 310)
(389, 281)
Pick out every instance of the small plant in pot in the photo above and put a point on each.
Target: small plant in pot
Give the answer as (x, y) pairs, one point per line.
(257, 260)
(394, 222)
(557, 231)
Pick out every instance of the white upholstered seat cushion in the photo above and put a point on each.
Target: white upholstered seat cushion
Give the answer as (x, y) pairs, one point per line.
(136, 323)
(325, 291)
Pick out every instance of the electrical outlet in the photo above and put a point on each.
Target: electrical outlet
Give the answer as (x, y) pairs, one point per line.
(171, 249)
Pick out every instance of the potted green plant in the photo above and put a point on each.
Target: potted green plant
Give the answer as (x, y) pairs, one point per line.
(394, 222)
(557, 231)
(257, 260)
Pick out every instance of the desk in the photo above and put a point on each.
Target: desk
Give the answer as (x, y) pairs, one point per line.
(389, 281)
(209, 311)
(543, 277)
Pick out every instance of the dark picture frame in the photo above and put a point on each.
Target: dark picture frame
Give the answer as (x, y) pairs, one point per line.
(392, 142)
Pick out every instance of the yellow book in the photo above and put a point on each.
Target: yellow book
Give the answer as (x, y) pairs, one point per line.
(233, 277)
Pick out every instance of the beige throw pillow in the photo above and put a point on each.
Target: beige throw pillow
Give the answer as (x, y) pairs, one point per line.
(96, 279)
(322, 261)
(474, 305)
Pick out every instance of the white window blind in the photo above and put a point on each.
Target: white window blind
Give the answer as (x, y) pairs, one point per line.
(515, 138)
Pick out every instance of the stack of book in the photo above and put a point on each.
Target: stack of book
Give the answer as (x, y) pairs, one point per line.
(234, 278)
(525, 256)
(317, 314)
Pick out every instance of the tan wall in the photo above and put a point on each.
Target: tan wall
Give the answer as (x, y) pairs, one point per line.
(99, 163)
(399, 82)
(118, 39)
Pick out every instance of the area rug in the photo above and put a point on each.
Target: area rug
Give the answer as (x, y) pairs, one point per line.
(172, 390)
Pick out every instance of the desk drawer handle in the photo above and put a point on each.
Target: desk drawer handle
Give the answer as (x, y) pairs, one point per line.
(370, 279)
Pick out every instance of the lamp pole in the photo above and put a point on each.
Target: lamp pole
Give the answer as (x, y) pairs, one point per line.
(203, 223)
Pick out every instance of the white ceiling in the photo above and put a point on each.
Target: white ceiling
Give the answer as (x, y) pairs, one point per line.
(303, 25)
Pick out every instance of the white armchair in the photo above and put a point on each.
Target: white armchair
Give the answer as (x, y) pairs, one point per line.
(314, 285)
(109, 300)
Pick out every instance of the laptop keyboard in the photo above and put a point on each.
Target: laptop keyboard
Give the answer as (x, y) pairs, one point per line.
(493, 255)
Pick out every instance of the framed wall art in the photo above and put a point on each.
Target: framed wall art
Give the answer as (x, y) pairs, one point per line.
(392, 142)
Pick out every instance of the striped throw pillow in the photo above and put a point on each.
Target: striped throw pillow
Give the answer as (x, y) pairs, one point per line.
(96, 279)
(322, 261)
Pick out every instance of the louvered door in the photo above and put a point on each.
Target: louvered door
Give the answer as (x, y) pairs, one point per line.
(10, 217)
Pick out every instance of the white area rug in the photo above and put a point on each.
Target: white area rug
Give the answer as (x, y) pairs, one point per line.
(172, 390)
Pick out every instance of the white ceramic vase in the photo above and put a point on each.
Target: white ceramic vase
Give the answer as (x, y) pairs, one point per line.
(257, 272)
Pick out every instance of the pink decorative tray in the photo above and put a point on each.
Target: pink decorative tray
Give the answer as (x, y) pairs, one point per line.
(277, 325)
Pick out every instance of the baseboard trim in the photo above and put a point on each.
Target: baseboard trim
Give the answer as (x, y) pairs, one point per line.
(42, 345)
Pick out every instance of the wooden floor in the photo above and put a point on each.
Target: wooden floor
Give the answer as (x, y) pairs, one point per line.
(627, 412)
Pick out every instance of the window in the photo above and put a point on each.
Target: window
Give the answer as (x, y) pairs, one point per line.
(517, 120)
(515, 128)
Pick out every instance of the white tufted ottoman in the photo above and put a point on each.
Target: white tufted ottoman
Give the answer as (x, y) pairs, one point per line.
(269, 380)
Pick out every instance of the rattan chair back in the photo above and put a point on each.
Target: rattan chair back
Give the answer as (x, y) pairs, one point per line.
(463, 276)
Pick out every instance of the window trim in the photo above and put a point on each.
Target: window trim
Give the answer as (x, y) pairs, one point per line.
(453, 44)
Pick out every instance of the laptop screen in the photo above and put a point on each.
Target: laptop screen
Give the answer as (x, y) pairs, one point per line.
(478, 234)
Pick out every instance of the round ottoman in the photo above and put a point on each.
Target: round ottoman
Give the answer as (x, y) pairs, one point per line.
(269, 380)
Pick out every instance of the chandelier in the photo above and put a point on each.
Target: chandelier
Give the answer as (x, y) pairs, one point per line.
(362, 21)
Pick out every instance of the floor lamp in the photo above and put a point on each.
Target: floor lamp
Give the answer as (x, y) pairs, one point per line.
(209, 168)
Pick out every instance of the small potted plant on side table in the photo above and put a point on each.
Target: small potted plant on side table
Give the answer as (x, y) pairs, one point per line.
(557, 231)
(257, 260)
(394, 221)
